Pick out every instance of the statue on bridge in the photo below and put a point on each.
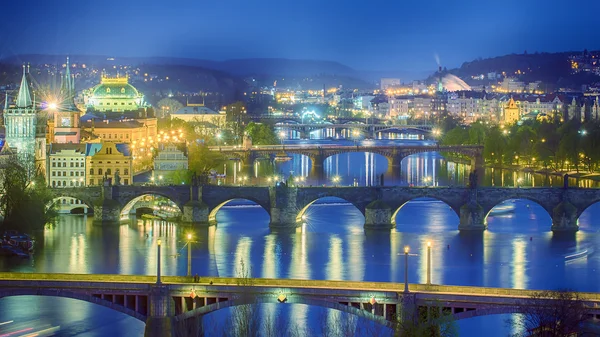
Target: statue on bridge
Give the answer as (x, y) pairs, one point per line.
(194, 179)
(117, 178)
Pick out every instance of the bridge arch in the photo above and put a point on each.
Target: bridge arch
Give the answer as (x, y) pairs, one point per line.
(302, 211)
(250, 300)
(129, 201)
(212, 216)
(591, 206)
(455, 209)
(509, 205)
(63, 204)
(72, 295)
(127, 208)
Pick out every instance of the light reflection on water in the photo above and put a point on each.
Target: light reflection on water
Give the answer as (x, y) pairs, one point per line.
(518, 250)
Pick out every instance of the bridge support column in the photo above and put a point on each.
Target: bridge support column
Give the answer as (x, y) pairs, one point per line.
(564, 217)
(378, 215)
(317, 172)
(472, 216)
(284, 209)
(478, 167)
(160, 313)
(106, 209)
(195, 212)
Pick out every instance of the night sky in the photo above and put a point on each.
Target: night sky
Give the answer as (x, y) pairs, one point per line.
(366, 35)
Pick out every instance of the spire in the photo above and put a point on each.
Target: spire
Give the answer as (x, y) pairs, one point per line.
(24, 96)
(6, 100)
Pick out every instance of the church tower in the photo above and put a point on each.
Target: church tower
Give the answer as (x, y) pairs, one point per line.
(20, 120)
(65, 123)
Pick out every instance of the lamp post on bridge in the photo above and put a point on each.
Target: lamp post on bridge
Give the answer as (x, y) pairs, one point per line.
(158, 242)
(429, 263)
(406, 250)
(189, 259)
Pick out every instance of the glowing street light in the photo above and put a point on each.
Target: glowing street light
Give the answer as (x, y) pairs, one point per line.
(189, 261)
(158, 242)
(429, 263)
(52, 106)
(406, 249)
(336, 180)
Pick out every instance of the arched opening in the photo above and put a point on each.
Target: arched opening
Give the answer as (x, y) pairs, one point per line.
(496, 323)
(589, 220)
(518, 215)
(356, 169)
(431, 169)
(70, 205)
(331, 214)
(425, 215)
(232, 212)
(282, 166)
(152, 206)
(63, 316)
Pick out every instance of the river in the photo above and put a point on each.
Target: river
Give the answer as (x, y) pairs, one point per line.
(517, 251)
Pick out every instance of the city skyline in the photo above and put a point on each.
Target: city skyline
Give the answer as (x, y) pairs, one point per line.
(378, 37)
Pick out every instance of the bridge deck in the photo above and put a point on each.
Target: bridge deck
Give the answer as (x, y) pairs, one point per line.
(6, 278)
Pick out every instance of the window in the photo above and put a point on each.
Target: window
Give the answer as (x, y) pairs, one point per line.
(53, 164)
(125, 181)
(126, 172)
(91, 181)
(64, 173)
(64, 184)
(64, 201)
(91, 171)
(71, 201)
(71, 173)
(53, 183)
(77, 173)
(53, 173)
(108, 172)
(107, 90)
(71, 164)
(100, 171)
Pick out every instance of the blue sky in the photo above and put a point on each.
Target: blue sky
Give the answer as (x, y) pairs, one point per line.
(366, 35)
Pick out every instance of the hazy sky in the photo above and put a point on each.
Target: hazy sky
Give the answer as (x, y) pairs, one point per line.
(366, 35)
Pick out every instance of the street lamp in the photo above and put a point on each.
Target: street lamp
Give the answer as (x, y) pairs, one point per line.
(406, 269)
(158, 242)
(281, 136)
(336, 179)
(160, 178)
(429, 263)
(189, 261)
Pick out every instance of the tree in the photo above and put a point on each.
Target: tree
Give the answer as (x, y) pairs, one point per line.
(167, 106)
(235, 114)
(551, 313)
(261, 134)
(202, 160)
(25, 201)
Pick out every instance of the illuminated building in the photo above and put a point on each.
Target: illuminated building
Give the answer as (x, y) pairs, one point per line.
(201, 114)
(26, 129)
(171, 157)
(122, 131)
(64, 126)
(105, 160)
(511, 112)
(66, 165)
(386, 83)
(114, 94)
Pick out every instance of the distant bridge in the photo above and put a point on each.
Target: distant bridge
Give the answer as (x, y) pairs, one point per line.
(286, 204)
(317, 154)
(347, 129)
(177, 299)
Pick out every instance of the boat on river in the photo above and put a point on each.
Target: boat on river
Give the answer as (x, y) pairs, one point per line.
(17, 240)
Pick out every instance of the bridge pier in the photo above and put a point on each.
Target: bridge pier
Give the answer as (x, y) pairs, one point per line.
(195, 212)
(378, 215)
(160, 313)
(564, 217)
(472, 216)
(284, 209)
(106, 209)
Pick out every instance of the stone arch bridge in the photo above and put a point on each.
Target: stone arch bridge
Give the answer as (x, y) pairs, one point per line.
(286, 205)
(364, 129)
(161, 306)
(394, 154)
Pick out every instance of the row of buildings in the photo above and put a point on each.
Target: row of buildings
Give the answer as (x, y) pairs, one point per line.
(51, 136)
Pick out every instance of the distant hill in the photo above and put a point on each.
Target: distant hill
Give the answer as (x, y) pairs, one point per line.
(552, 69)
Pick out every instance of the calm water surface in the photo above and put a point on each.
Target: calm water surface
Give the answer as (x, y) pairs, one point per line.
(517, 251)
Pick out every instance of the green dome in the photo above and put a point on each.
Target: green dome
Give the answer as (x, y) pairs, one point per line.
(115, 90)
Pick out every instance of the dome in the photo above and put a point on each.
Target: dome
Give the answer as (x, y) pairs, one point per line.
(115, 88)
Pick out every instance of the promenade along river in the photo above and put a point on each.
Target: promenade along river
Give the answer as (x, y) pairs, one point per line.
(518, 251)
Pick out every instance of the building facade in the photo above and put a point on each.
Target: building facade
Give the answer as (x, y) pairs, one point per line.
(114, 94)
(169, 159)
(66, 166)
(108, 162)
(200, 114)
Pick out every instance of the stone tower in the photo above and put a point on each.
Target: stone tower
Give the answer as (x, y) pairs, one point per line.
(65, 122)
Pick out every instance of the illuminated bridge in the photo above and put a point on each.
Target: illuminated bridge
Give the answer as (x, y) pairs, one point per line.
(176, 299)
(286, 205)
(349, 128)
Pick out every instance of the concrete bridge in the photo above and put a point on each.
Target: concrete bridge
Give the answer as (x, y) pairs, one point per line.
(287, 204)
(347, 129)
(177, 299)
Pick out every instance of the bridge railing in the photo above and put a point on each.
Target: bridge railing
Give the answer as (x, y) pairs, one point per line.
(292, 283)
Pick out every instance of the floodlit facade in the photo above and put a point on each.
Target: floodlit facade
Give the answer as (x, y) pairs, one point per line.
(106, 160)
(114, 94)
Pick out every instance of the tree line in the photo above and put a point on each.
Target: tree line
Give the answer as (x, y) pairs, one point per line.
(539, 144)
